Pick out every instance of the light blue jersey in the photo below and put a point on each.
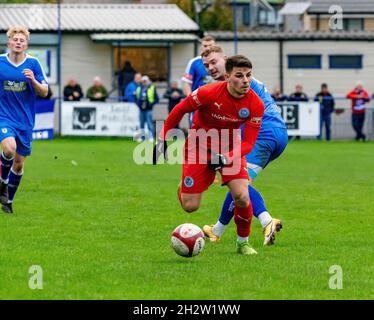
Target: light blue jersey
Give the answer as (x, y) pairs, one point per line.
(196, 74)
(272, 117)
(17, 95)
(272, 138)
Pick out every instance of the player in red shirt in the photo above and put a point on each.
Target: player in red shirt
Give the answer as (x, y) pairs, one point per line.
(214, 142)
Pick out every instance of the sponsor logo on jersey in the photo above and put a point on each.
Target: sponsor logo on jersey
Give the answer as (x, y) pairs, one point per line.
(15, 86)
(256, 120)
(218, 105)
(243, 113)
(188, 182)
(223, 118)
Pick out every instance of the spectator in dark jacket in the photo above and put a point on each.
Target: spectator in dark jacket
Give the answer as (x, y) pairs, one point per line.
(125, 76)
(298, 95)
(146, 98)
(327, 104)
(73, 91)
(174, 94)
(277, 95)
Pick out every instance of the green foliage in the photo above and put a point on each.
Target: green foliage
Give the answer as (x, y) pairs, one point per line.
(100, 227)
(185, 5)
(217, 17)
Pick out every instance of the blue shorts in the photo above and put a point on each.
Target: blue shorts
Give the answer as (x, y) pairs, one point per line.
(23, 138)
(269, 145)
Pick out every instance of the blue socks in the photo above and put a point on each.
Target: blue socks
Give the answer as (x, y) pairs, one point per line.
(14, 181)
(227, 212)
(6, 164)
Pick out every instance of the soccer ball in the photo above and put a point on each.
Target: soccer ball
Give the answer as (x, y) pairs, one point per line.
(187, 240)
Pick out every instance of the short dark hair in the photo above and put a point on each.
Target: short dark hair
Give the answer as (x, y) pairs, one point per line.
(238, 61)
(324, 85)
(211, 49)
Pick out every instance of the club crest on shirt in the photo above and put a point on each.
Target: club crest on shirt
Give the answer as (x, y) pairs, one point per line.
(188, 182)
(4, 130)
(243, 113)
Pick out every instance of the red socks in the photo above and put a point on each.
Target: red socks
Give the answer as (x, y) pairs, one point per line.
(243, 219)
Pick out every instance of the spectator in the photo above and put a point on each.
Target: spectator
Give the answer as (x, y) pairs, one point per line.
(359, 97)
(327, 104)
(146, 98)
(97, 92)
(174, 94)
(277, 95)
(125, 76)
(130, 92)
(73, 91)
(298, 95)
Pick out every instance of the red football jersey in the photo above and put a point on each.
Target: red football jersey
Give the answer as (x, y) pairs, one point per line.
(217, 109)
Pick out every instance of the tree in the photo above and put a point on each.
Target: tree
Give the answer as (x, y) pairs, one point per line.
(209, 14)
(218, 17)
(186, 5)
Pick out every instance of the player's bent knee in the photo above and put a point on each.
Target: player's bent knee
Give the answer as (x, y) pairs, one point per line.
(242, 199)
(190, 206)
(9, 148)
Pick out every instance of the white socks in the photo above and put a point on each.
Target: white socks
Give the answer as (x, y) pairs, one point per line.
(219, 228)
(264, 218)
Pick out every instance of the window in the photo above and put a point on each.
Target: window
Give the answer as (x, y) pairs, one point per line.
(246, 16)
(303, 61)
(353, 24)
(345, 61)
(156, 66)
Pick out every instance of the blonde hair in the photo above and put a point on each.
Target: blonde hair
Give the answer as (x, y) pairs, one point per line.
(18, 29)
(210, 50)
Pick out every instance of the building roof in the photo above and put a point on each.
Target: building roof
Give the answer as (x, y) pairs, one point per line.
(348, 6)
(295, 8)
(302, 35)
(128, 37)
(98, 17)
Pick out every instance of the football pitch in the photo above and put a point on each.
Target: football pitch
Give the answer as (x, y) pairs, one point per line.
(99, 227)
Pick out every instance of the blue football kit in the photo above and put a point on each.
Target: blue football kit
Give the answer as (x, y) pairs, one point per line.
(17, 101)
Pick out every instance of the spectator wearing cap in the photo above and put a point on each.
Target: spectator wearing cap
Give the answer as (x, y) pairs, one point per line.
(146, 99)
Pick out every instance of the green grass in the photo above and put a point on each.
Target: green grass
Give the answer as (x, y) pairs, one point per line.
(100, 227)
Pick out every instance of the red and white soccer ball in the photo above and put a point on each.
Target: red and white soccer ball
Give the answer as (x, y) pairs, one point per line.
(187, 240)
